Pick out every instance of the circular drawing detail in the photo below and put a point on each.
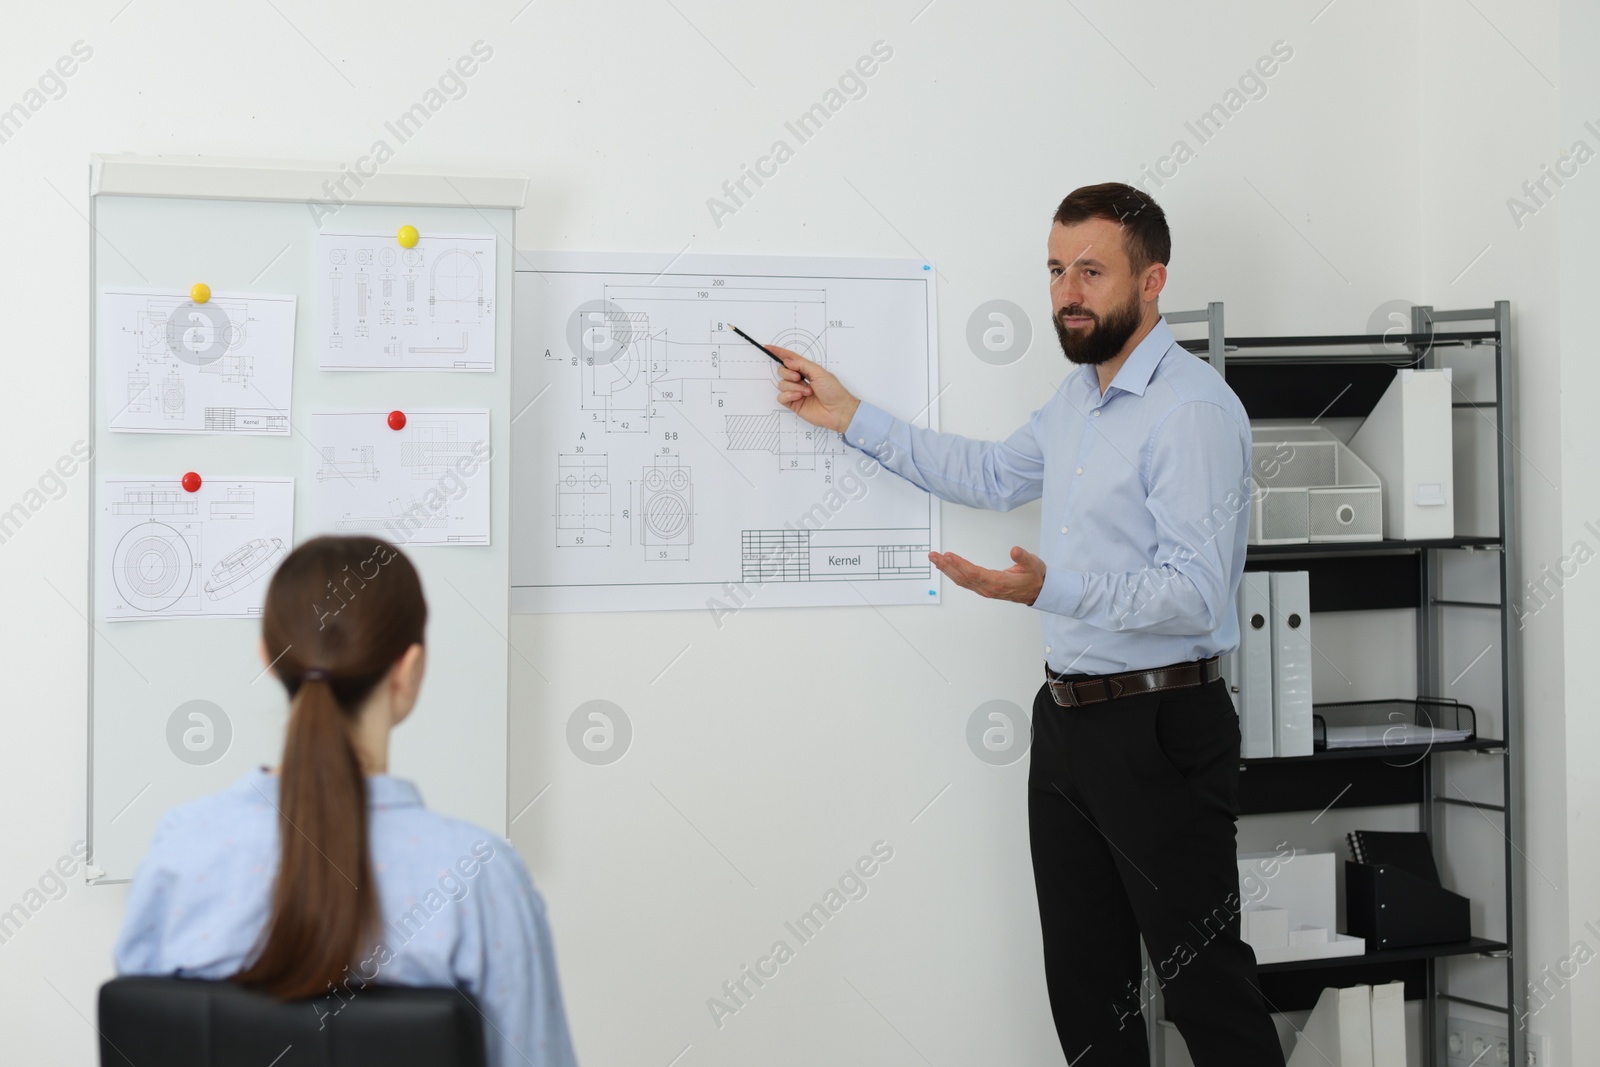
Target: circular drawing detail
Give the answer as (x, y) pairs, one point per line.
(804, 342)
(666, 514)
(457, 276)
(152, 566)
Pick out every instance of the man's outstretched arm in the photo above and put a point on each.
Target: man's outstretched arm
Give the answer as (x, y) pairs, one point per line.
(998, 475)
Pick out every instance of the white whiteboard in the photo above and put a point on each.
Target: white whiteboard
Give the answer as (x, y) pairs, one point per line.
(656, 468)
(148, 679)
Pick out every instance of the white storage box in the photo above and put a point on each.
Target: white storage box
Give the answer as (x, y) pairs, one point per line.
(1309, 486)
(1407, 439)
(1302, 885)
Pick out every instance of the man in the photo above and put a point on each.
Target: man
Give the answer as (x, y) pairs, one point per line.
(1142, 458)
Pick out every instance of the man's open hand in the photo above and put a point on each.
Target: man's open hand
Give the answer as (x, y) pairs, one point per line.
(1021, 582)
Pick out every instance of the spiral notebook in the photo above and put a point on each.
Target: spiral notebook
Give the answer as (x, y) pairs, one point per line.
(1409, 850)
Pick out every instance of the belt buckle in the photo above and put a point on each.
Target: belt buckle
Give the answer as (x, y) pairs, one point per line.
(1073, 699)
(1057, 688)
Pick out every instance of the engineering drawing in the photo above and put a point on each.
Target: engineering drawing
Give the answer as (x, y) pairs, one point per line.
(153, 566)
(455, 287)
(666, 513)
(362, 465)
(583, 501)
(238, 502)
(794, 441)
(675, 462)
(244, 566)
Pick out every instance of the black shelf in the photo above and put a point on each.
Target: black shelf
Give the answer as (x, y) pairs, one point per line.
(1387, 341)
(1471, 946)
(1358, 575)
(1326, 548)
(1295, 986)
(1344, 778)
(1401, 753)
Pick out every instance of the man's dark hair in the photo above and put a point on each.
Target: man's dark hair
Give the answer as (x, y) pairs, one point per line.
(1144, 224)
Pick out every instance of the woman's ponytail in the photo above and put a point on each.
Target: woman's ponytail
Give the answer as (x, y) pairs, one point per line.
(324, 903)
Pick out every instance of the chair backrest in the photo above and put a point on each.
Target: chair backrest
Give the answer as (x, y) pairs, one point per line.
(174, 1022)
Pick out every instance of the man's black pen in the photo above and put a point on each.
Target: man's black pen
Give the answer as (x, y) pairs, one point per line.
(763, 348)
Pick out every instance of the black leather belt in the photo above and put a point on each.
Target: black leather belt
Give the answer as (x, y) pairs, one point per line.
(1075, 690)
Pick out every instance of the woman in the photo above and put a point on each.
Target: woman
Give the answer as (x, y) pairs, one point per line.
(324, 875)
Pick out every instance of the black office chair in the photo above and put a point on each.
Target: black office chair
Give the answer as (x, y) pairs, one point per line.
(175, 1022)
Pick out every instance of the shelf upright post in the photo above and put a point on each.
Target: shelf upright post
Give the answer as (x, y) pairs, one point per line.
(1511, 677)
(1216, 343)
(1428, 685)
(1429, 653)
(1428, 676)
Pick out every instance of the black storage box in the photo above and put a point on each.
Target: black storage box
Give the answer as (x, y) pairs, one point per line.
(1393, 908)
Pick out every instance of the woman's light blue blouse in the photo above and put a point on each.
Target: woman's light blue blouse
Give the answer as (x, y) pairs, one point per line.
(456, 903)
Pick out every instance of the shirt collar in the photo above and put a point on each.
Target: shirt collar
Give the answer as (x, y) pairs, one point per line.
(383, 790)
(1134, 375)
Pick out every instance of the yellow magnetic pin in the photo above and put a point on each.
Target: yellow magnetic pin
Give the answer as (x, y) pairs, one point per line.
(407, 236)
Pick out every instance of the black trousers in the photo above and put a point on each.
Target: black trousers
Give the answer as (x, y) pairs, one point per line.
(1131, 812)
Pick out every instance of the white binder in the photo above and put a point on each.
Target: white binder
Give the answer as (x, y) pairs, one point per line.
(1407, 440)
(1250, 670)
(1291, 663)
(1339, 1031)
(1389, 1025)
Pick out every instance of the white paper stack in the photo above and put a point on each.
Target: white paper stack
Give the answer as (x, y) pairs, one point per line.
(1391, 734)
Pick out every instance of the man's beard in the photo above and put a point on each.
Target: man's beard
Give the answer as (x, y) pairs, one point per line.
(1104, 339)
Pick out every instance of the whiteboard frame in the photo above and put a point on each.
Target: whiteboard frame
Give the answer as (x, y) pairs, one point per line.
(487, 202)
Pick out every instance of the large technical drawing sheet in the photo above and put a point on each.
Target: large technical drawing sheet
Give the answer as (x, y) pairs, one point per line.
(653, 466)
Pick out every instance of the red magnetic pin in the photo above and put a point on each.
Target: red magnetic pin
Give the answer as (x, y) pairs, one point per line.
(191, 482)
(397, 420)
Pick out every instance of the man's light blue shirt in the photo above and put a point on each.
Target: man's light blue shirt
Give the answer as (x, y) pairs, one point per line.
(456, 904)
(1145, 510)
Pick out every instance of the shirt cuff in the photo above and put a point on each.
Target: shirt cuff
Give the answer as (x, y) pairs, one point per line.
(869, 430)
(1062, 592)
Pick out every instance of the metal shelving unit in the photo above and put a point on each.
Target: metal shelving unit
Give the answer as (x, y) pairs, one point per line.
(1279, 377)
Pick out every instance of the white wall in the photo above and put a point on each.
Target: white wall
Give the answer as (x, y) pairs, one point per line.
(1489, 119)
(1578, 211)
(780, 747)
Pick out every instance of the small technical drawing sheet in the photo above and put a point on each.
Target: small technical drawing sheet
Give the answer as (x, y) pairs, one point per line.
(660, 471)
(384, 307)
(174, 366)
(424, 484)
(163, 552)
